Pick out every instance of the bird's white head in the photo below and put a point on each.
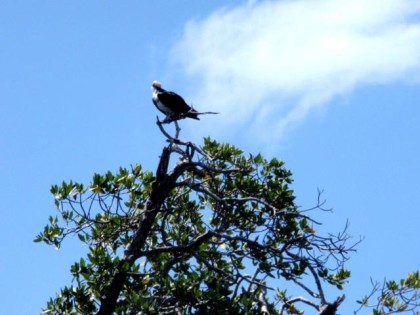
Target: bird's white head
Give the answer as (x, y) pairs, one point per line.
(156, 84)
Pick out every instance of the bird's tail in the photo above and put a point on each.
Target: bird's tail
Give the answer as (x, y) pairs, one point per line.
(194, 114)
(205, 113)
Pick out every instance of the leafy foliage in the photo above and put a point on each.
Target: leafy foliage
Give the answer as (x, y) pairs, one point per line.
(394, 297)
(204, 237)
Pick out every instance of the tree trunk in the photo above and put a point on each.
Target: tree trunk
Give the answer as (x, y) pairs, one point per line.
(160, 190)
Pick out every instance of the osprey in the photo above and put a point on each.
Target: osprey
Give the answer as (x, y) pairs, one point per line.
(171, 104)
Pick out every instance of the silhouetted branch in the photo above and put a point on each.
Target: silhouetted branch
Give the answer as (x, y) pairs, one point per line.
(297, 299)
(331, 309)
(318, 284)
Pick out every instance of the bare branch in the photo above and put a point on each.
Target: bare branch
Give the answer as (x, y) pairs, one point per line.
(301, 299)
(331, 308)
(318, 284)
(306, 288)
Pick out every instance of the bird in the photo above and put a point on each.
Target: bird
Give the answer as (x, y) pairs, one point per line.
(171, 104)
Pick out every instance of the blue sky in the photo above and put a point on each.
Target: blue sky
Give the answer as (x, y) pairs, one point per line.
(331, 87)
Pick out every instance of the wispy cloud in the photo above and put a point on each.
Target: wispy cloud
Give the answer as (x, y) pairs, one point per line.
(267, 64)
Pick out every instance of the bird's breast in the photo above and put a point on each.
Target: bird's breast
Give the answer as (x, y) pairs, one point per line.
(162, 107)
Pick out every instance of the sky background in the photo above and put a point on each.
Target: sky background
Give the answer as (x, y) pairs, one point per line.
(330, 87)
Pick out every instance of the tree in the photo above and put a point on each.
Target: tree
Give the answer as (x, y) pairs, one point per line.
(216, 232)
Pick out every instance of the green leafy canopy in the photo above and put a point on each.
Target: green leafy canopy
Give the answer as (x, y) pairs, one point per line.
(213, 234)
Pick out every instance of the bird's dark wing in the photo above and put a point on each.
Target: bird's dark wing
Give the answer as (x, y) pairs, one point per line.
(175, 102)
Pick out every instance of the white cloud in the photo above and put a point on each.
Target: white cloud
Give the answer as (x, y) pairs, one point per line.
(267, 64)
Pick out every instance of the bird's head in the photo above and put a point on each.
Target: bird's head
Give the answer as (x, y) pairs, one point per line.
(156, 85)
